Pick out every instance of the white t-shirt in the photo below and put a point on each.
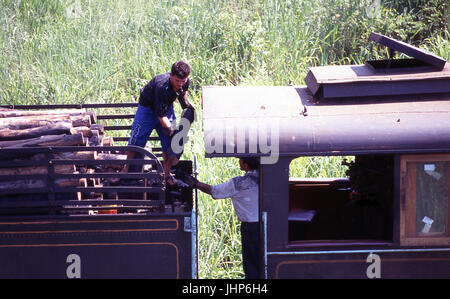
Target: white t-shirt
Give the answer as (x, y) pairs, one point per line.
(243, 191)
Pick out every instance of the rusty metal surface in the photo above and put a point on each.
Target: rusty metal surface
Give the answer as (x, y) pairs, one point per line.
(233, 115)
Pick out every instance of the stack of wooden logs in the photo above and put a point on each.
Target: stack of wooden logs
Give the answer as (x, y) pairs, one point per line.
(19, 128)
(73, 127)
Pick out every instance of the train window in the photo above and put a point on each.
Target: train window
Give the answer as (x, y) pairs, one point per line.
(349, 199)
(425, 200)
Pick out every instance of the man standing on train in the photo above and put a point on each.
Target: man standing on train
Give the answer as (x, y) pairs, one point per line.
(155, 111)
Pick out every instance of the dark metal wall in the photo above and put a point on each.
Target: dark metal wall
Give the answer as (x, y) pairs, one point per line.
(96, 247)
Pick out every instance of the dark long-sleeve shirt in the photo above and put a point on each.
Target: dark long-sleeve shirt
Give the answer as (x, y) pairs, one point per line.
(159, 95)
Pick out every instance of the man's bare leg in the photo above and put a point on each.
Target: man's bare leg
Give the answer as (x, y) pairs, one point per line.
(167, 165)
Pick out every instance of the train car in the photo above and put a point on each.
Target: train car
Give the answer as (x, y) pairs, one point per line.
(389, 120)
(51, 227)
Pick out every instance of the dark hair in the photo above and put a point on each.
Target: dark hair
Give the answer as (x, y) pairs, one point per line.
(181, 69)
(252, 162)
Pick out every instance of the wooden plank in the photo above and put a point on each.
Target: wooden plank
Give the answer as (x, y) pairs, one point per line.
(410, 212)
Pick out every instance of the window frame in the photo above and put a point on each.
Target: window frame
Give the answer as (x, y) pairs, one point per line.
(408, 203)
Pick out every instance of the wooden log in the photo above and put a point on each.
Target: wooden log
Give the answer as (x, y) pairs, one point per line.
(95, 140)
(18, 123)
(106, 156)
(108, 141)
(81, 121)
(36, 170)
(49, 140)
(63, 127)
(33, 183)
(81, 155)
(99, 128)
(71, 182)
(65, 140)
(21, 184)
(21, 123)
(18, 113)
(86, 131)
(93, 116)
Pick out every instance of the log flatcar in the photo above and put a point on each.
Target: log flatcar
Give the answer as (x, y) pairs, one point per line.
(51, 227)
(389, 217)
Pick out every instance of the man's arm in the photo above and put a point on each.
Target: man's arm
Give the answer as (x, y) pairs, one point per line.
(203, 187)
(194, 183)
(223, 190)
(166, 125)
(183, 98)
(184, 101)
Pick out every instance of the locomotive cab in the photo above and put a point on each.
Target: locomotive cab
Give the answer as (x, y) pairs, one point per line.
(387, 123)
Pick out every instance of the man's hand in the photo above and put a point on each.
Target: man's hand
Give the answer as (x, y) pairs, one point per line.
(191, 181)
(166, 125)
(167, 131)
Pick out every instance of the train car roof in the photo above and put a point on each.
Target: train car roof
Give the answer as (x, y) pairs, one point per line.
(384, 106)
(287, 119)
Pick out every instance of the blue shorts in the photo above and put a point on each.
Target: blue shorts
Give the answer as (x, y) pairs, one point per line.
(144, 122)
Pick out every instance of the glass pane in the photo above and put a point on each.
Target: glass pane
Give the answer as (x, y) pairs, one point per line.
(431, 198)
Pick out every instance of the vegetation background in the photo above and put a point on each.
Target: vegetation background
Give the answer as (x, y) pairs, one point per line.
(101, 51)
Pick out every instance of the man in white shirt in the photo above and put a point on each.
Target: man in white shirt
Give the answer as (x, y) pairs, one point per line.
(243, 191)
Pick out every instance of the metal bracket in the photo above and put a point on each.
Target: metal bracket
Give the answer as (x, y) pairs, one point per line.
(187, 224)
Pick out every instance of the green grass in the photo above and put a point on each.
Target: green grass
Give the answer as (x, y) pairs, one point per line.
(100, 51)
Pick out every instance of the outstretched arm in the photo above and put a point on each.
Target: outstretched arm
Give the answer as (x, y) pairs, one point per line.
(194, 183)
(203, 187)
(224, 190)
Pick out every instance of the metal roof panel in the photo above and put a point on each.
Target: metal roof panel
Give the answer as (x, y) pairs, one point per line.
(425, 73)
(409, 50)
(402, 124)
(361, 80)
